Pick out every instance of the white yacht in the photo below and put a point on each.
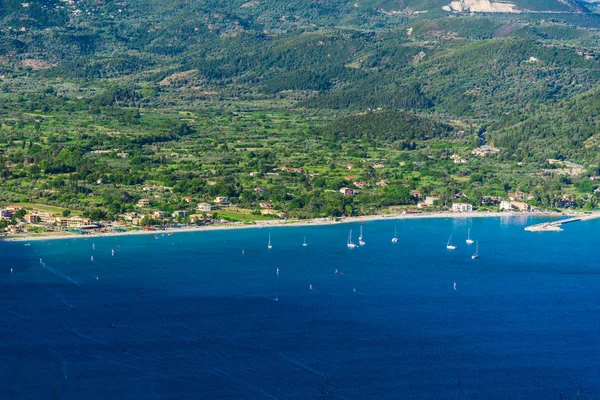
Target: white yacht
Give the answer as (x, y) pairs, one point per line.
(350, 244)
(449, 245)
(469, 240)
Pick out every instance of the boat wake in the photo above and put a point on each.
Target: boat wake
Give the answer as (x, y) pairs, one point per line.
(84, 336)
(60, 274)
(24, 317)
(302, 365)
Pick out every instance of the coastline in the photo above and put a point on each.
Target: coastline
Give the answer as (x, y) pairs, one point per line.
(282, 223)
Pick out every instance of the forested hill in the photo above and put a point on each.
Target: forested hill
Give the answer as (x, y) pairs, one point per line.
(187, 87)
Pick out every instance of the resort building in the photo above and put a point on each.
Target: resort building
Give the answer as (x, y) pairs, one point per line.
(462, 207)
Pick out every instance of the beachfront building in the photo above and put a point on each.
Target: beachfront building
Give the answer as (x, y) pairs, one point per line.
(462, 207)
(505, 206)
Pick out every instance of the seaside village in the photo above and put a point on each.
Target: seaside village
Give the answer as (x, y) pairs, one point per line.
(34, 219)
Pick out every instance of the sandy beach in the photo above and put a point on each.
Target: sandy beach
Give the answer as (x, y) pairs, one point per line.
(281, 223)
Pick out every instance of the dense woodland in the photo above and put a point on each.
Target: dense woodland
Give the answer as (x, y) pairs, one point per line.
(102, 100)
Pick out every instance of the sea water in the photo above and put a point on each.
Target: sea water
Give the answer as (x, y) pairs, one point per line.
(206, 315)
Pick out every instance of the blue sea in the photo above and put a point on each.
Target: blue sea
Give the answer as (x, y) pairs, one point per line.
(206, 315)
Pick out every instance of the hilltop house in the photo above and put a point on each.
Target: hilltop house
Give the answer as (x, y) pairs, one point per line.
(143, 203)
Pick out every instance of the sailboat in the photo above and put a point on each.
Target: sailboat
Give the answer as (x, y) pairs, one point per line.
(476, 255)
(469, 240)
(269, 246)
(395, 238)
(350, 244)
(304, 244)
(449, 245)
(360, 238)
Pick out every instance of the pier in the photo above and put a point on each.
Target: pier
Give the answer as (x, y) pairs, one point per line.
(556, 226)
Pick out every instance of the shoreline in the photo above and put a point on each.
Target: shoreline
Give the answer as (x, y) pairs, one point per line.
(283, 223)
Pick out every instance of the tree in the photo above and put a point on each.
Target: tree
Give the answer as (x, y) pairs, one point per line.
(65, 213)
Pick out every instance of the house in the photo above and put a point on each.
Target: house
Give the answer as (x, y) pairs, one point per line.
(422, 205)
(458, 159)
(490, 200)
(265, 205)
(220, 200)
(484, 150)
(517, 196)
(520, 206)
(462, 207)
(506, 206)
(382, 183)
(460, 195)
(412, 211)
(78, 222)
(143, 203)
(360, 185)
(99, 181)
(178, 213)
(566, 202)
(259, 189)
(32, 218)
(187, 199)
(429, 200)
(378, 166)
(123, 155)
(347, 191)
(159, 214)
(416, 194)
(6, 215)
(204, 207)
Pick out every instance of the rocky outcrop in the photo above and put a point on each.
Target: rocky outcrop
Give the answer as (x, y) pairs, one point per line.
(475, 6)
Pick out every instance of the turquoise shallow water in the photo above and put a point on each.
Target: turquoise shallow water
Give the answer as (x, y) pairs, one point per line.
(189, 316)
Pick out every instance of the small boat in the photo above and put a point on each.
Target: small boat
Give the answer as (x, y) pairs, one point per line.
(276, 298)
(277, 271)
(93, 246)
(476, 255)
(469, 240)
(449, 245)
(112, 253)
(304, 244)
(310, 287)
(395, 238)
(11, 271)
(27, 244)
(454, 286)
(92, 258)
(360, 238)
(350, 244)
(269, 246)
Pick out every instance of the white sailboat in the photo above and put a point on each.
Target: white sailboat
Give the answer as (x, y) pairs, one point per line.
(469, 240)
(395, 238)
(304, 244)
(449, 245)
(269, 246)
(476, 255)
(350, 244)
(360, 238)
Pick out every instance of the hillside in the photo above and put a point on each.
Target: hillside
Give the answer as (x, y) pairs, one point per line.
(211, 99)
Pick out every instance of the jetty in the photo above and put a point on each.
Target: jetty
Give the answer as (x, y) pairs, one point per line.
(556, 226)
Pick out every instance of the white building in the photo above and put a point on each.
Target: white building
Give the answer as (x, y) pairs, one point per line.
(462, 207)
(203, 207)
(506, 205)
